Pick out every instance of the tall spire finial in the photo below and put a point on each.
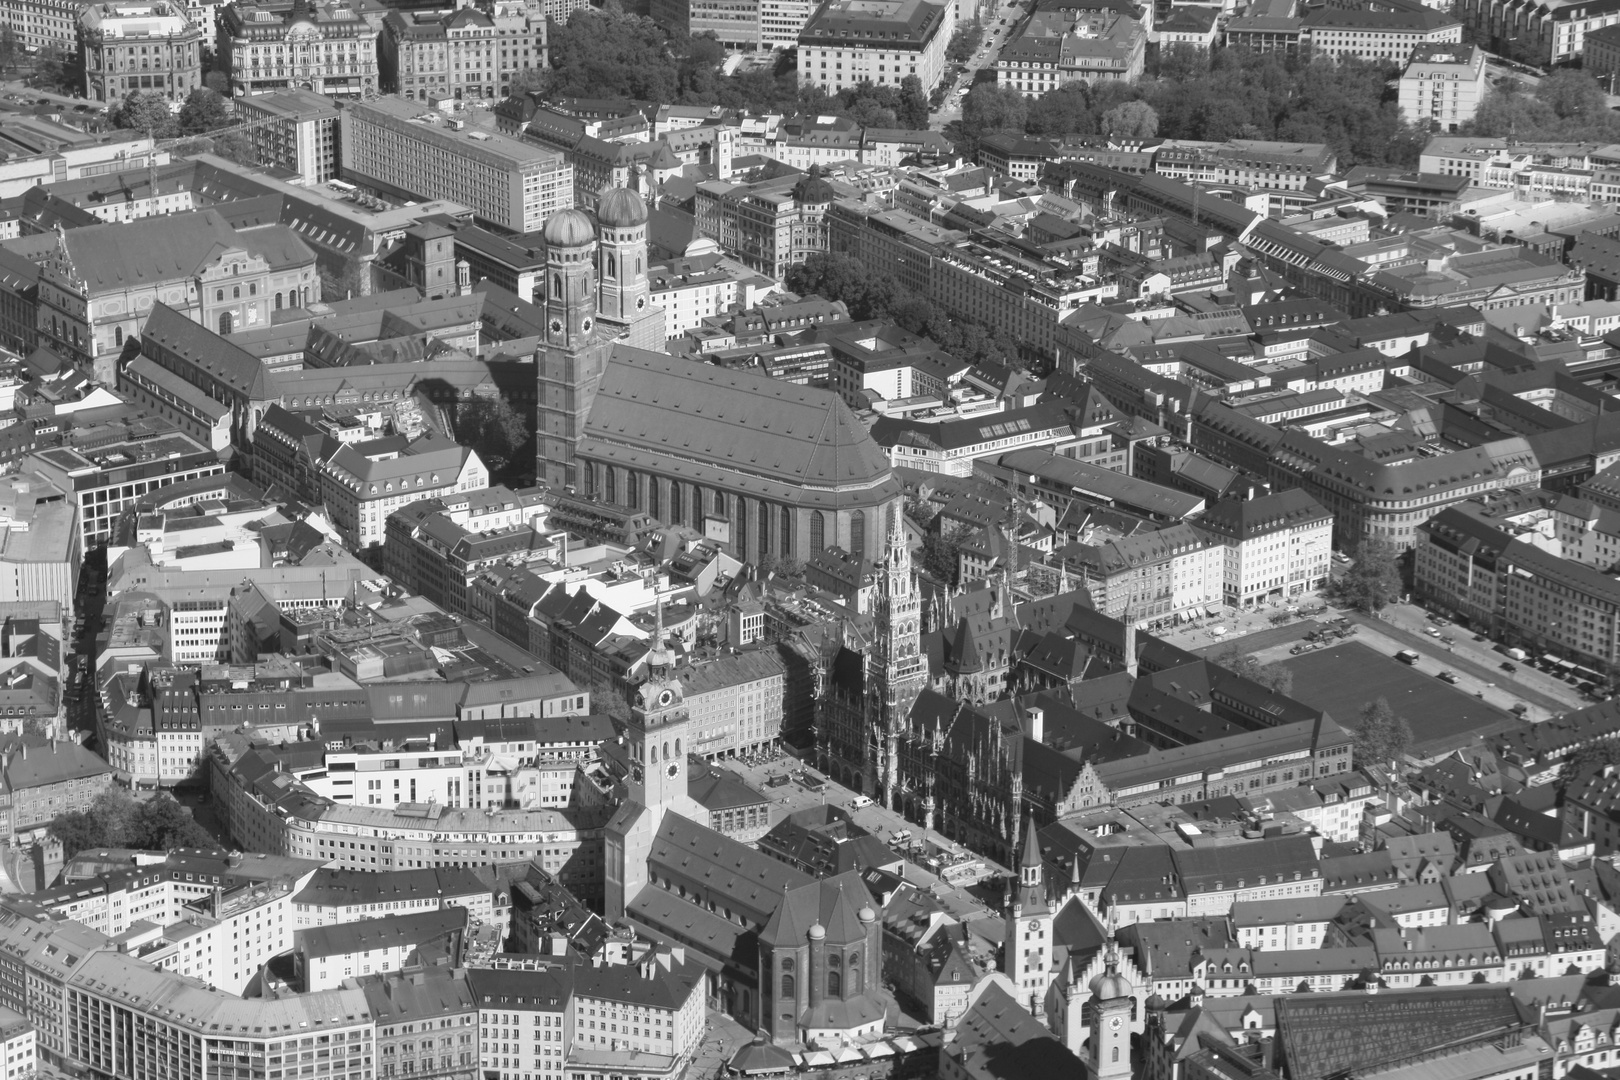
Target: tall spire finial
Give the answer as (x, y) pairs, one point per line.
(659, 658)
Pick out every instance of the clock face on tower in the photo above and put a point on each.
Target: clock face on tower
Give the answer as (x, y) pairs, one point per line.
(1114, 1023)
(674, 769)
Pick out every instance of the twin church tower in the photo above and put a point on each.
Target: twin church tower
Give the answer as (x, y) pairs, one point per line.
(595, 296)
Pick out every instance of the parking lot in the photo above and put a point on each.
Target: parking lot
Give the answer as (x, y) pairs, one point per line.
(1343, 678)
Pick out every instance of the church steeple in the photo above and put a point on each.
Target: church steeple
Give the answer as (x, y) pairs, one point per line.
(570, 279)
(1031, 872)
(1027, 954)
(895, 674)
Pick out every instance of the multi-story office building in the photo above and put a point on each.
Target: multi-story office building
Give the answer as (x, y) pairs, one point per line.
(293, 820)
(1386, 37)
(396, 147)
(294, 130)
(427, 1023)
(735, 703)
(781, 21)
(337, 896)
(1277, 545)
(1056, 48)
(102, 481)
(1246, 163)
(1443, 85)
(39, 782)
(1601, 58)
(701, 287)
(463, 53)
(1554, 33)
(329, 48)
(734, 23)
(150, 47)
(848, 42)
(362, 490)
(325, 957)
(767, 226)
(19, 1051)
(43, 24)
(39, 542)
(189, 1029)
(1371, 500)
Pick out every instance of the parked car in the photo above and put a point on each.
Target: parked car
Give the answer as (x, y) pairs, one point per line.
(1448, 677)
(1431, 631)
(1507, 667)
(1407, 656)
(1519, 708)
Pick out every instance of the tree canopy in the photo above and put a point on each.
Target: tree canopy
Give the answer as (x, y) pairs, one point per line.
(204, 110)
(879, 296)
(493, 429)
(116, 819)
(605, 53)
(1567, 106)
(1230, 94)
(1382, 738)
(148, 113)
(1274, 677)
(1372, 581)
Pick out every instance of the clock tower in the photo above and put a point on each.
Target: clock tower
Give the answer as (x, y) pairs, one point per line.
(1112, 1001)
(1027, 955)
(657, 733)
(656, 744)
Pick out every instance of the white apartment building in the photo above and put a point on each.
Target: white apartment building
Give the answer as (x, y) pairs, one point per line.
(408, 150)
(1198, 577)
(693, 289)
(781, 21)
(43, 24)
(333, 896)
(224, 939)
(1298, 923)
(327, 955)
(18, 1046)
(1380, 36)
(1443, 85)
(1276, 545)
(848, 42)
(360, 491)
(734, 702)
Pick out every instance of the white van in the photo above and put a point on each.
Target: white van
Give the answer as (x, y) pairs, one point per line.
(859, 801)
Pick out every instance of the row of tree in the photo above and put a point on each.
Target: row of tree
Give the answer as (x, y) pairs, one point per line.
(606, 53)
(870, 295)
(1226, 94)
(117, 820)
